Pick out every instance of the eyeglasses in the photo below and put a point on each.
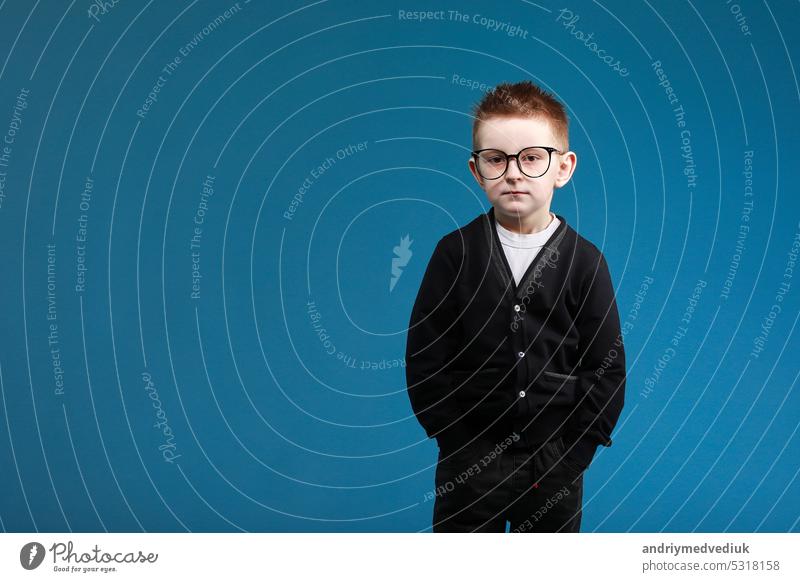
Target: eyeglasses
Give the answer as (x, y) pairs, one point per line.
(533, 161)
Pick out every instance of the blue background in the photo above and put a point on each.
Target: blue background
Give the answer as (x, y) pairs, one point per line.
(283, 383)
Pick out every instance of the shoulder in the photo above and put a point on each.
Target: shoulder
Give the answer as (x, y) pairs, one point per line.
(586, 252)
(591, 264)
(456, 242)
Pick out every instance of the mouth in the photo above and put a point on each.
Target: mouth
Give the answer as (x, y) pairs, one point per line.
(517, 192)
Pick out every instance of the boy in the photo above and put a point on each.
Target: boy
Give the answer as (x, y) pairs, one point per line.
(514, 358)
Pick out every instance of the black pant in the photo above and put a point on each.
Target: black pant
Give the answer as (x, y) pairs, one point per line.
(483, 485)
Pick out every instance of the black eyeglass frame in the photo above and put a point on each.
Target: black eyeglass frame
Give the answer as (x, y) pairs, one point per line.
(549, 149)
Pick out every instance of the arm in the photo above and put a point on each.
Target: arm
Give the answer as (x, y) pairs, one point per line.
(433, 341)
(602, 369)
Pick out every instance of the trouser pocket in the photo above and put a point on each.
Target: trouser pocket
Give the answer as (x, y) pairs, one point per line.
(553, 463)
(561, 448)
(469, 491)
(555, 500)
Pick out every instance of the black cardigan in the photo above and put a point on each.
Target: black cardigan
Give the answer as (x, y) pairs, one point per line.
(487, 358)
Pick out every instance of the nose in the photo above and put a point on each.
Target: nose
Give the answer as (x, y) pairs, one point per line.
(513, 171)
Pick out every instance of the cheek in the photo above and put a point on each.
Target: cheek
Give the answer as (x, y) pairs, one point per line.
(492, 190)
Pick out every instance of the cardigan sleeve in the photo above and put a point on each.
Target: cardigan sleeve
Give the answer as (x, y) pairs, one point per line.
(602, 367)
(432, 343)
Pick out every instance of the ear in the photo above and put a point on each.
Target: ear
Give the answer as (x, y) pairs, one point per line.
(474, 170)
(566, 167)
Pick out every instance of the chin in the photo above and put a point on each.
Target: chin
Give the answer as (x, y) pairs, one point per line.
(513, 207)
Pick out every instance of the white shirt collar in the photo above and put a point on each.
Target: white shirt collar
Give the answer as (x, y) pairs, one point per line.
(527, 241)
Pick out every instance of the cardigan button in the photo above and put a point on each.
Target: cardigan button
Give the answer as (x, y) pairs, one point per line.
(522, 393)
(516, 308)
(521, 354)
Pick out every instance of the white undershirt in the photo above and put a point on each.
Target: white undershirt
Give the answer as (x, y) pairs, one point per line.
(521, 249)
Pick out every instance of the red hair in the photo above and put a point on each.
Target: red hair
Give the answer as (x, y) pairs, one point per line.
(523, 99)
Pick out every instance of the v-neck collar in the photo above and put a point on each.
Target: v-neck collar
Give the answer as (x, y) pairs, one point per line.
(500, 262)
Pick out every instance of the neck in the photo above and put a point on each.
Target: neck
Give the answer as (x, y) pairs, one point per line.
(535, 222)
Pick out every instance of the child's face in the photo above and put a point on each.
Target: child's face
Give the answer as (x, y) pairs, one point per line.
(515, 195)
